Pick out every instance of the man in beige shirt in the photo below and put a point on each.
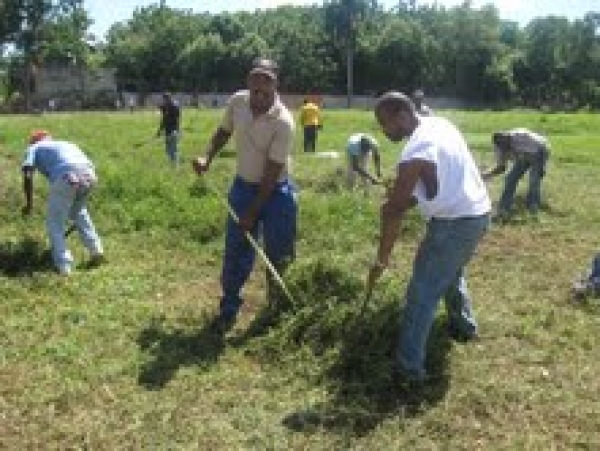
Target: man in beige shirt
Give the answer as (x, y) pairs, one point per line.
(262, 194)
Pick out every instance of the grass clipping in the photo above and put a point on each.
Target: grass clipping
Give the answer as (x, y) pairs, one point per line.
(330, 319)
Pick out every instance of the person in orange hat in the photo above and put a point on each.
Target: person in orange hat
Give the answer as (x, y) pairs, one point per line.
(72, 176)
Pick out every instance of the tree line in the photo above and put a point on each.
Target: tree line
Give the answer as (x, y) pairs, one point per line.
(338, 47)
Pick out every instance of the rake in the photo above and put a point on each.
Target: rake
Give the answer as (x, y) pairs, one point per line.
(261, 253)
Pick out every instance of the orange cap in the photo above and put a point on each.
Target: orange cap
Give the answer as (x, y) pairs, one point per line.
(37, 135)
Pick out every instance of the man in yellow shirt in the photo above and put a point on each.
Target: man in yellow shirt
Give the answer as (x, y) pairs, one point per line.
(310, 119)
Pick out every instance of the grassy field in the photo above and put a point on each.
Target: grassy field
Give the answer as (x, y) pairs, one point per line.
(122, 357)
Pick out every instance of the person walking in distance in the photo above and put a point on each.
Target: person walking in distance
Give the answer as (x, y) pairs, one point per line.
(169, 124)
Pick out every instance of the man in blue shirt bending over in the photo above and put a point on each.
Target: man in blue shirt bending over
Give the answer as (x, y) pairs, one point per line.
(72, 177)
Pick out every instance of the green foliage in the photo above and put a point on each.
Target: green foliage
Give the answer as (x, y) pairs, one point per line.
(42, 32)
(143, 51)
(340, 46)
(10, 19)
(324, 297)
(405, 46)
(206, 47)
(65, 40)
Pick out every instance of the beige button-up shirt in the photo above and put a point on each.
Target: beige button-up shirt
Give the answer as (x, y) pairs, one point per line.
(269, 136)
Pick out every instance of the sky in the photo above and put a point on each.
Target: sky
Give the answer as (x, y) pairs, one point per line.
(521, 11)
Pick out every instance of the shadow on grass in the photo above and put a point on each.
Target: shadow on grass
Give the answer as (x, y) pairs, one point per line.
(23, 258)
(172, 349)
(353, 345)
(590, 304)
(365, 390)
(520, 214)
(267, 318)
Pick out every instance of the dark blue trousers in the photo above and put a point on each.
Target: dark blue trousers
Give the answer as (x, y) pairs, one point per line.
(277, 225)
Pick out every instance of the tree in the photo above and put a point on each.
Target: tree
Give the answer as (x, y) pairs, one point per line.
(342, 18)
(340, 46)
(468, 57)
(240, 47)
(30, 40)
(395, 54)
(297, 40)
(38, 28)
(66, 38)
(145, 49)
(10, 20)
(583, 60)
(541, 72)
(199, 62)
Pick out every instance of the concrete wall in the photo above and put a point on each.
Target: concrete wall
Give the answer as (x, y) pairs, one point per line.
(65, 81)
(293, 101)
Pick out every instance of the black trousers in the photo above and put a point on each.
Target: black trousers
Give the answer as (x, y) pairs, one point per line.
(310, 138)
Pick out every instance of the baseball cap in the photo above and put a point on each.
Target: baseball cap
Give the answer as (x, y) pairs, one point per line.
(38, 135)
(264, 66)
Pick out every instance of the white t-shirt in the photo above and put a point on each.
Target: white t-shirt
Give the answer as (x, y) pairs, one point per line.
(461, 191)
(55, 158)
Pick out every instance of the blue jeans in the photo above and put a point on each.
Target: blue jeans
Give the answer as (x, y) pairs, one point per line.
(536, 173)
(68, 201)
(171, 141)
(276, 222)
(438, 271)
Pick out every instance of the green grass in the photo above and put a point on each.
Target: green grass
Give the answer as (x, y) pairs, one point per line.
(122, 356)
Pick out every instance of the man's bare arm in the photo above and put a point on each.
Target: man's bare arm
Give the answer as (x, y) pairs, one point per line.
(216, 143)
(356, 167)
(28, 189)
(399, 200)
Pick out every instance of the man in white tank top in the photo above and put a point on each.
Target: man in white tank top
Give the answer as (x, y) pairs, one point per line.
(437, 173)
